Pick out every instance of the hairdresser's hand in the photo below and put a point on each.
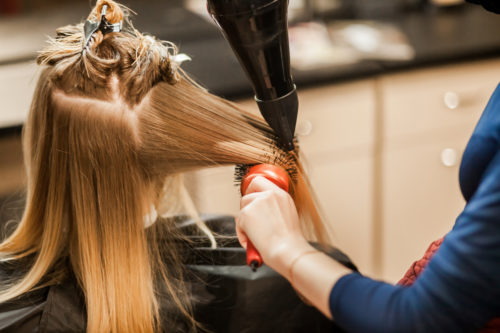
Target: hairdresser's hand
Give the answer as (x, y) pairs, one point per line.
(268, 218)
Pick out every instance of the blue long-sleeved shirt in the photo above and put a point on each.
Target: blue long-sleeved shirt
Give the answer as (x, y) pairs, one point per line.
(459, 290)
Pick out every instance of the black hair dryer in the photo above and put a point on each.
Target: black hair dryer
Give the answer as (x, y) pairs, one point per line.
(258, 34)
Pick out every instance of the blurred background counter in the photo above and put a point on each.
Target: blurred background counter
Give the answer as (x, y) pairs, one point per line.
(389, 91)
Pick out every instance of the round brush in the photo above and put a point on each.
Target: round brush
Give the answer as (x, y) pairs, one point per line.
(280, 178)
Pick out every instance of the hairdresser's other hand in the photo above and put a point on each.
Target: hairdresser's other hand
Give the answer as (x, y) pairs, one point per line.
(268, 218)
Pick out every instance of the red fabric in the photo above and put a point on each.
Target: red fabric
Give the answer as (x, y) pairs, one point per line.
(493, 326)
(418, 266)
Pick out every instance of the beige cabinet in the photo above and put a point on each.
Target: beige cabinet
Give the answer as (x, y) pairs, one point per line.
(336, 131)
(344, 187)
(420, 199)
(419, 103)
(427, 118)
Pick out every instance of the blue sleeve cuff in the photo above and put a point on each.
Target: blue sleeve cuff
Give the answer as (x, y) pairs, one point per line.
(338, 290)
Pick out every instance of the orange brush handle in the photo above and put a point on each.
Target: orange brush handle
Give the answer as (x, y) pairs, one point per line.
(279, 177)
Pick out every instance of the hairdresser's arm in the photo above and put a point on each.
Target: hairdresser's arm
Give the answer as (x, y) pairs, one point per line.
(308, 270)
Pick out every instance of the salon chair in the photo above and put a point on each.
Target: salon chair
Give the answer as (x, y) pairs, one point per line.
(233, 298)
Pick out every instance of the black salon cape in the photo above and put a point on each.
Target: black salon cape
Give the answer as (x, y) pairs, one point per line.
(226, 295)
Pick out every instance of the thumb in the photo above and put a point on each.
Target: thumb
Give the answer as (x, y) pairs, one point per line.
(261, 184)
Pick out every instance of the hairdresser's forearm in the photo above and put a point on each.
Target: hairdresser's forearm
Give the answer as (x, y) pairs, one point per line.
(269, 218)
(313, 274)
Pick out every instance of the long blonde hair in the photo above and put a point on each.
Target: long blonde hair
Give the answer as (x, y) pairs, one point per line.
(112, 126)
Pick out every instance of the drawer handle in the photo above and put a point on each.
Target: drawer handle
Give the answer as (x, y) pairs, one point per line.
(449, 157)
(304, 128)
(451, 100)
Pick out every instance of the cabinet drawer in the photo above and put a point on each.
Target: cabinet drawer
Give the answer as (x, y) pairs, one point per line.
(334, 118)
(436, 99)
(421, 199)
(17, 83)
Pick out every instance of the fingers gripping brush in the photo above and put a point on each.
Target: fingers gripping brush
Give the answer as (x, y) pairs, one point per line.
(280, 178)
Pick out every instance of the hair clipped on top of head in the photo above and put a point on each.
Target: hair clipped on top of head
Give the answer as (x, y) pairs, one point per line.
(139, 61)
(112, 126)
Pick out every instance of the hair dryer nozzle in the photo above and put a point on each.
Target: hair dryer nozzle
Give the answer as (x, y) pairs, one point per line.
(281, 115)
